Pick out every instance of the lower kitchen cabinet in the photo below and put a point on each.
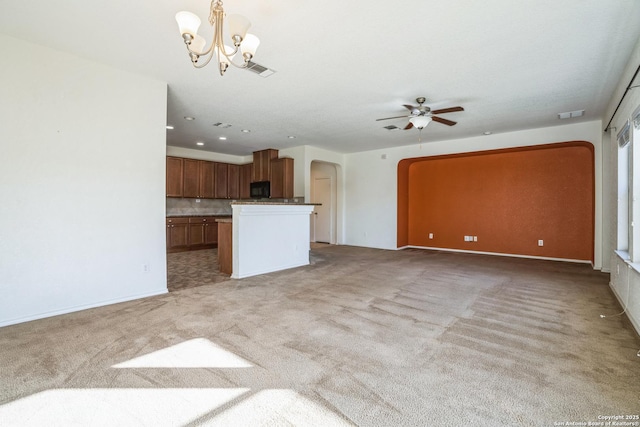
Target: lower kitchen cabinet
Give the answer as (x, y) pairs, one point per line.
(177, 234)
(192, 233)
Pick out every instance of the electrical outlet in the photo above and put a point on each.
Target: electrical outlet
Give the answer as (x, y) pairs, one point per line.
(540, 242)
(475, 238)
(431, 235)
(146, 268)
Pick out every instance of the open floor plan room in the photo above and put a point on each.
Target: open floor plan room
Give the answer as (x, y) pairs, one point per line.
(361, 336)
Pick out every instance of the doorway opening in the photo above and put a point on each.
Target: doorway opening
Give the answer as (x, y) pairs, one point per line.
(324, 191)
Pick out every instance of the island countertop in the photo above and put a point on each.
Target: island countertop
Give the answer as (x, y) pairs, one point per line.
(276, 203)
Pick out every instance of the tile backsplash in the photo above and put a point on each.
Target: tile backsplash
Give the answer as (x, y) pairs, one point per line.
(196, 207)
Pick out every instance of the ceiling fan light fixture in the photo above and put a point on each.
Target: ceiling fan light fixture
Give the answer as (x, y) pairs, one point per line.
(420, 121)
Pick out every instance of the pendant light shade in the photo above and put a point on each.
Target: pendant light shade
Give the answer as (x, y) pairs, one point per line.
(420, 121)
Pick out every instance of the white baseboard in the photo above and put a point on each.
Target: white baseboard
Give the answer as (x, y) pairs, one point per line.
(78, 308)
(579, 261)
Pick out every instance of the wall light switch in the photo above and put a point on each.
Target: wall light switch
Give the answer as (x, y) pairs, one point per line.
(540, 242)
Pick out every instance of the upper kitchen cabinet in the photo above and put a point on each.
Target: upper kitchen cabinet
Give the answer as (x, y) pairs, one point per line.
(282, 178)
(246, 171)
(191, 178)
(233, 181)
(174, 176)
(222, 179)
(207, 179)
(198, 179)
(262, 164)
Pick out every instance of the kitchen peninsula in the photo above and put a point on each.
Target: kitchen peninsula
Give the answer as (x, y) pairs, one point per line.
(267, 237)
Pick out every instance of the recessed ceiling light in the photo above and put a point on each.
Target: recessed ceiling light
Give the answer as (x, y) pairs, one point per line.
(291, 137)
(245, 131)
(189, 118)
(199, 143)
(169, 127)
(223, 138)
(487, 132)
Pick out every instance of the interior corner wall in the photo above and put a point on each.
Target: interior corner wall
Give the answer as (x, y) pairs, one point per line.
(507, 200)
(82, 176)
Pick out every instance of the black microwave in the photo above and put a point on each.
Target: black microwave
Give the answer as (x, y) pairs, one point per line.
(260, 190)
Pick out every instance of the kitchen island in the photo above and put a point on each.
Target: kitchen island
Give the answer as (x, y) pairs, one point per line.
(268, 236)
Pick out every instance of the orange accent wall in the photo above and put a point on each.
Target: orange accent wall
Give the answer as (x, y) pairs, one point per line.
(508, 198)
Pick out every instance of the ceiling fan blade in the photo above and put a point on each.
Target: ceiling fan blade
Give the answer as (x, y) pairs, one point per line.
(443, 121)
(389, 118)
(448, 110)
(409, 126)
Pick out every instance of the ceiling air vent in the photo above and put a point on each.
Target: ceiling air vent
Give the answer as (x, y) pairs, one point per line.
(222, 125)
(260, 70)
(571, 114)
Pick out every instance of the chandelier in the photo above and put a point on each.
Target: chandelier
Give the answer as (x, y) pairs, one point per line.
(238, 25)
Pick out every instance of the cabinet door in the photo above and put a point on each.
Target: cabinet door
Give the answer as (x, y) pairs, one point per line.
(245, 180)
(282, 178)
(191, 178)
(211, 233)
(233, 183)
(174, 177)
(262, 164)
(207, 179)
(177, 233)
(196, 234)
(222, 171)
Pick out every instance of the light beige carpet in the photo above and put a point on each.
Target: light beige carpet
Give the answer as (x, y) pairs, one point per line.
(361, 336)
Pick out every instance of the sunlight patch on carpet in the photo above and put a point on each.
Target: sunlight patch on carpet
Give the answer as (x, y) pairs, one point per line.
(116, 407)
(274, 407)
(196, 353)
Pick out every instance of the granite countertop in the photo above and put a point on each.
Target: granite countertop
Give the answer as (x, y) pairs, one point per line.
(198, 215)
(276, 203)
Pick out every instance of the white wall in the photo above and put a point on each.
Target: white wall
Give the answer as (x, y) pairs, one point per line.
(625, 277)
(82, 175)
(371, 180)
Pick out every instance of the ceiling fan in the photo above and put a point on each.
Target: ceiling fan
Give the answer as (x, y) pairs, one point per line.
(422, 115)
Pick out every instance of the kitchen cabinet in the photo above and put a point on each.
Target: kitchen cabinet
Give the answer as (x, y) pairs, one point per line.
(222, 178)
(262, 164)
(177, 234)
(211, 233)
(174, 177)
(199, 179)
(203, 232)
(191, 173)
(192, 233)
(282, 178)
(233, 181)
(207, 179)
(245, 180)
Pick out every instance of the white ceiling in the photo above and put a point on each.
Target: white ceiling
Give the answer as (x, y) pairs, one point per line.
(343, 64)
